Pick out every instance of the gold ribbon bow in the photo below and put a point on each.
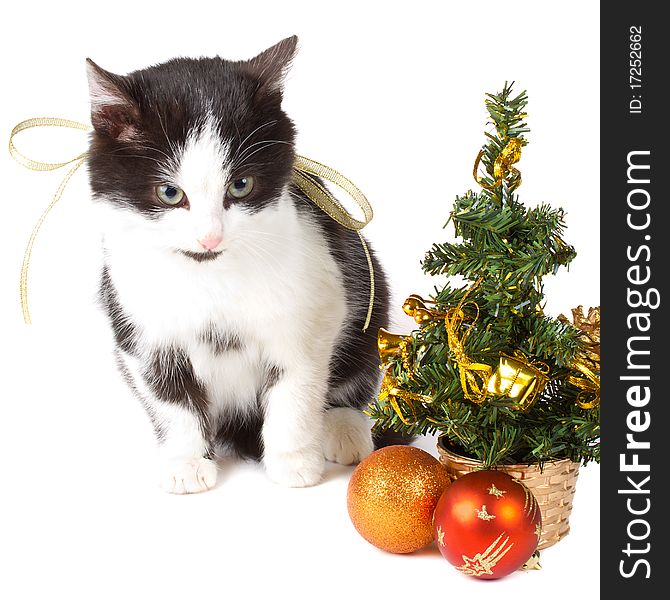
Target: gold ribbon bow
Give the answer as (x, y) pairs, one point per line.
(510, 155)
(305, 172)
(390, 390)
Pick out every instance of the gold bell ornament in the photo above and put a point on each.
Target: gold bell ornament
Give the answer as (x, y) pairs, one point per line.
(518, 379)
(390, 344)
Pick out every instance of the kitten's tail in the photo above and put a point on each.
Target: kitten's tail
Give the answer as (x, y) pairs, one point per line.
(389, 437)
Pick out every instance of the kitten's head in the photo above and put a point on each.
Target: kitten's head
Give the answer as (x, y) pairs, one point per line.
(189, 151)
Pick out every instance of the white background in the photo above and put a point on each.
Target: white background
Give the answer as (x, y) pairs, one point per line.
(391, 94)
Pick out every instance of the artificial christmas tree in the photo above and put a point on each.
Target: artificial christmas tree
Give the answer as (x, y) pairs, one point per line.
(501, 381)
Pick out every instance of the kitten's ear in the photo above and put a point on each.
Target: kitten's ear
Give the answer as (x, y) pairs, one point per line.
(113, 112)
(272, 65)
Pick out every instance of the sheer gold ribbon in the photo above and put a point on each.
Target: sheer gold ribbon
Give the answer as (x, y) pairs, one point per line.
(305, 174)
(35, 165)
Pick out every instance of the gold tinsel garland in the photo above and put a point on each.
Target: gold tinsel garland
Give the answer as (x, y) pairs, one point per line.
(516, 376)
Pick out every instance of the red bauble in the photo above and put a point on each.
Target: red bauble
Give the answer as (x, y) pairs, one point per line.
(487, 524)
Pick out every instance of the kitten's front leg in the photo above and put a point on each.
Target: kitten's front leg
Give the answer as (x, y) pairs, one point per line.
(184, 468)
(293, 426)
(177, 405)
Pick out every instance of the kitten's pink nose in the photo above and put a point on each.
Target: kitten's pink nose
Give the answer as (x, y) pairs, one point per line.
(210, 241)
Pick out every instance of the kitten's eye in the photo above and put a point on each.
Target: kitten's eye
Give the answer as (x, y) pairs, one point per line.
(170, 195)
(241, 187)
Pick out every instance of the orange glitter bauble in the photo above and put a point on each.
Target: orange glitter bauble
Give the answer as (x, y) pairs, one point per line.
(392, 495)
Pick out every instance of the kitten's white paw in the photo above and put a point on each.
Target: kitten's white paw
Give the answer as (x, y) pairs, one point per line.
(295, 469)
(188, 475)
(347, 437)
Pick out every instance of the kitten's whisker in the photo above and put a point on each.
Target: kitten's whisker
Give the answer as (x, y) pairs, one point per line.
(266, 124)
(253, 251)
(247, 156)
(276, 236)
(241, 144)
(279, 243)
(248, 166)
(295, 251)
(170, 143)
(140, 147)
(267, 143)
(158, 162)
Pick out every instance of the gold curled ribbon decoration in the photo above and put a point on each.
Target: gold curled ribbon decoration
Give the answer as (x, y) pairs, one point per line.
(589, 396)
(35, 165)
(474, 376)
(391, 391)
(502, 165)
(305, 172)
(304, 176)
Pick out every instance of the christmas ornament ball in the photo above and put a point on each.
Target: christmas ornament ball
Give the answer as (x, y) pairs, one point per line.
(487, 524)
(392, 495)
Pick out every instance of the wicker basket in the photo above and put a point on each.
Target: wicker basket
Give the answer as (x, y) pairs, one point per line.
(554, 488)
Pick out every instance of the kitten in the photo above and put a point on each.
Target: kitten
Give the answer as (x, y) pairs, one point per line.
(236, 304)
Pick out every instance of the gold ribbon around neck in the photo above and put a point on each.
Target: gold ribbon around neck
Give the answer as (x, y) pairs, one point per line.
(305, 172)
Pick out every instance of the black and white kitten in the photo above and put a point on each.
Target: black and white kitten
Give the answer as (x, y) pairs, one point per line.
(237, 305)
